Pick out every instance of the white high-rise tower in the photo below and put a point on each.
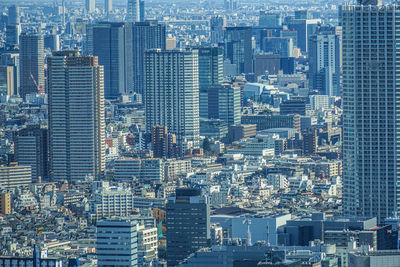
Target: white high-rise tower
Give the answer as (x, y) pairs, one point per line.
(371, 109)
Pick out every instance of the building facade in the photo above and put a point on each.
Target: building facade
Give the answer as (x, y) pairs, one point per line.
(371, 166)
(117, 242)
(172, 93)
(31, 64)
(187, 224)
(76, 116)
(111, 42)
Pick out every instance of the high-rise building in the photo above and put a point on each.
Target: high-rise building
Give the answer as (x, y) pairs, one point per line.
(90, 5)
(187, 224)
(13, 15)
(217, 27)
(31, 64)
(7, 81)
(12, 35)
(11, 58)
(5, 203)
(15, 176)
(371, 165)
(324, 65)
(108, 6)
(278, 45)
(31, 149)
(117, 242)
(111, 42)
(270, 19)
(238, 48)
(76, 116)
(163, 143)
(172, 93)
(304, 28)
(135, 11)
(221, 101)
(147, 244)
(146, 35)
(230, 5)
(52, 42)
(211, 66)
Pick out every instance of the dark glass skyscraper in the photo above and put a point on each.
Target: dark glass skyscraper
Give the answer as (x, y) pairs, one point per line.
(238, 48)
(111, 42)
(188, 224)
(31, 63)
(146, 35)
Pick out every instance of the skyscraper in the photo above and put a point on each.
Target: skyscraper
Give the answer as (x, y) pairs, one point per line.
(13, 15)
(12, 35)
(172, 93)
(324, 55)
(217, 26)
(371, 125)
(111, 42)
(188, 224)
(135, 10)
(31, 63)
(76, 116)
(146, 35)
(117, 242)
(108, 6)
(90, 5)
(211, 69)
(238, 48)
(31, 149)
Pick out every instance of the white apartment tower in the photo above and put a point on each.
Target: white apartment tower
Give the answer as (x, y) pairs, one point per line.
(371, 107)
(76, 116)
(172, 93)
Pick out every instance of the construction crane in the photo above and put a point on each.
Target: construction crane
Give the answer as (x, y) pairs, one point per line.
(40, 90)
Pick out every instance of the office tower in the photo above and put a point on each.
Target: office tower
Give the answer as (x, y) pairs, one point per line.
(270, 19)
(111, 42)
(217, 27)
(90, 5)
(302, 14)
(142, 10)
(230, 5)
(11, 58)
(278, 45)
(188, 224)
(31, 64)
(163, 143)
(108, 6)
(117, 242)
(172, 93)
(7, 85)
(294, 106)
(146, 35)
(267, 62)
(371, 163)
(304, 28)
(324, 65)
(211, 60)
(31, 149)
(221, 101)
(76, 116)
(12, 35)
(238, 48)
(5, 203)
(133, 10)
(15, 176)
(13, 15)
(52, 42)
